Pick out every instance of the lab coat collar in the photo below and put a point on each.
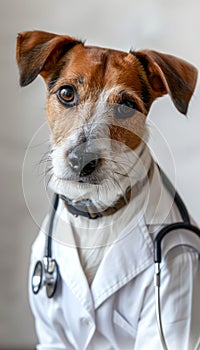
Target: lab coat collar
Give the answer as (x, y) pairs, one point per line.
(125, 259)
(128, 256)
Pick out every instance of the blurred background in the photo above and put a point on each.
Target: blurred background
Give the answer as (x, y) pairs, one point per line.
(169, 26)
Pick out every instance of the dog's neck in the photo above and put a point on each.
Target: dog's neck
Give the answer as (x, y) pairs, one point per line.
(88, 209)
(94, 201)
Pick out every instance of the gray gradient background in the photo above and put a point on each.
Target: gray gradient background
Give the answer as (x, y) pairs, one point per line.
(169, 26)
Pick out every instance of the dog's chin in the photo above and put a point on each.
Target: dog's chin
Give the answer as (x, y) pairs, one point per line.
(91, 180)
(101, 191)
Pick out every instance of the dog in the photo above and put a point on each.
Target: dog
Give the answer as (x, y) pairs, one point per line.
(112, 198)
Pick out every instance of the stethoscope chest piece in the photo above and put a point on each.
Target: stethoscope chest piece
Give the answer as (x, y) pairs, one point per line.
(37, 277)
(51, 276)
(47, 274)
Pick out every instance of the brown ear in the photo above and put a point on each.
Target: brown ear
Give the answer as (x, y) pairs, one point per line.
(38, 51)
(169, 74)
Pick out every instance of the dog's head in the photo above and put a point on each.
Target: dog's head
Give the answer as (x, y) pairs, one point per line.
(98, 100)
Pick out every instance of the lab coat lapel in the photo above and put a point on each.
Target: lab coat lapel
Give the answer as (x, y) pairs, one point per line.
(125, 259)
(69, 264)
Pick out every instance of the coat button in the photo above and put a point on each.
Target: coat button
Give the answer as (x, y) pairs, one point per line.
(85, 321)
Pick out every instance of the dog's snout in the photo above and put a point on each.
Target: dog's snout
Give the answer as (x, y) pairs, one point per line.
(91, 164)
(83, 162)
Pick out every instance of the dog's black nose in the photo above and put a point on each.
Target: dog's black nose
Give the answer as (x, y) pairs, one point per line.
(83, 163)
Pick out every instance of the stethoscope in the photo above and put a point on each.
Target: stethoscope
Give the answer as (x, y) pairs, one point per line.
(182, 225)
(46, 272)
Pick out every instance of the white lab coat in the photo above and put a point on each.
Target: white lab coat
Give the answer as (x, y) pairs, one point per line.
(117, 311)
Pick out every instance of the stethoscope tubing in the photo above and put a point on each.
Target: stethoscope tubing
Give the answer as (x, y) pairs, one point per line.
(48, 244)
(157, 277)
(158, 307)
(182, 225)
(168, 229)
(177, 198)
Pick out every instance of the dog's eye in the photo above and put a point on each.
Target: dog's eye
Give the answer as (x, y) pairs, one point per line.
(67, 95)
(125, 109)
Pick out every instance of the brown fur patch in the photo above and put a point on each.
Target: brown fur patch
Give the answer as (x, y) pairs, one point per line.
(100, 70)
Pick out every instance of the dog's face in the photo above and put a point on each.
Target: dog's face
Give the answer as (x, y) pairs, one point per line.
(98, 99)
(94, 108)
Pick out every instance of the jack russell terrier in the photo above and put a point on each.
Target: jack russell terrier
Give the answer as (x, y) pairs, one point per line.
(113, 201)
